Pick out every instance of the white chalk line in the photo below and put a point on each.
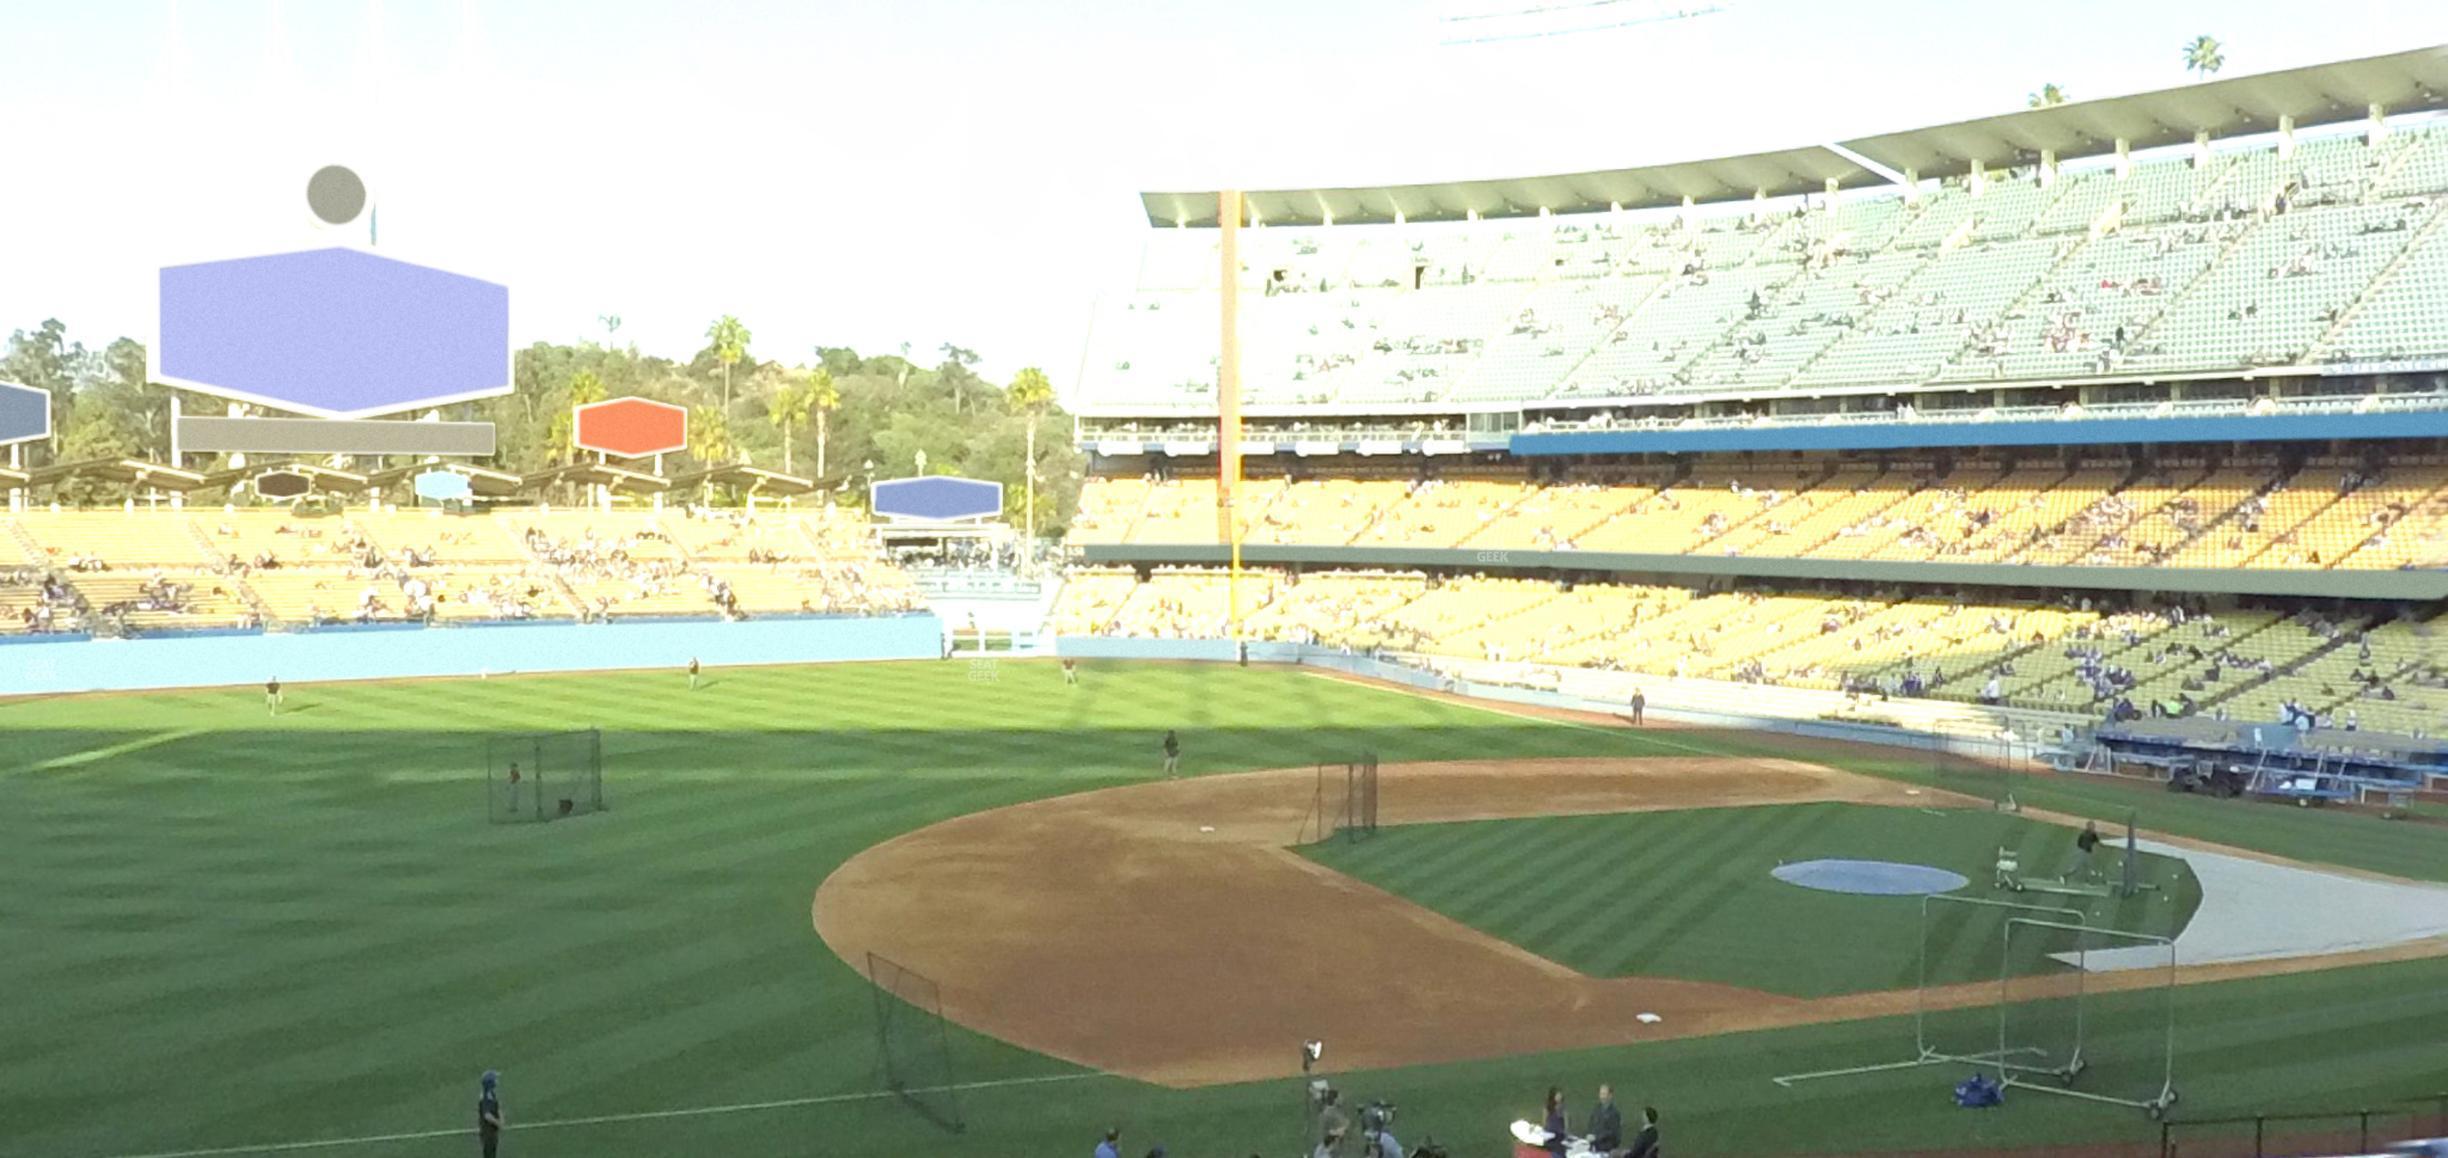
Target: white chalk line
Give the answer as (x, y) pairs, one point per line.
(605, 1119)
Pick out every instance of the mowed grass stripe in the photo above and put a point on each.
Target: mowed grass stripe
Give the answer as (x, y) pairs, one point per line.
(698, 831)
(1651, 877)
(1690, 893)
(1708, 884)
(256, 990)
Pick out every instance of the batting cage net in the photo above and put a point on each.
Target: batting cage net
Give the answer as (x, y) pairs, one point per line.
(2101, 1026)
(543, 776)
(1963, 952)
(1345, 803)
(913, 1049)
(1360, 795)
(1987, 770)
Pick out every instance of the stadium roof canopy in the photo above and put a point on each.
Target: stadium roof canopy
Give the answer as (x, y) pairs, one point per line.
(2404, 82)
(130, 471)
(772, 482)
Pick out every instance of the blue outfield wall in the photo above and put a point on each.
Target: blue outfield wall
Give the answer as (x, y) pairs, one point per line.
(2049, 432)
(316, 656)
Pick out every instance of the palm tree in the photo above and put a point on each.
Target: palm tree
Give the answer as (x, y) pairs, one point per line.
(2049, 94)
(1030, 394)
(709, 432)
(730, 339)
(2204, 56)
(584, 388)
(824, 397)
(788, 407)
(560, 439)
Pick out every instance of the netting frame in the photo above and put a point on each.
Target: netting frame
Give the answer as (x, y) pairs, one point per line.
(903, 995)
(1989, 770)
(571, 777)
(1360, 798)
(1924, 1052)
(1349, 812)
(2010, 1075)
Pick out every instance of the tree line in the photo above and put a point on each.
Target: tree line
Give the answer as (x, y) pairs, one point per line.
(838, 416)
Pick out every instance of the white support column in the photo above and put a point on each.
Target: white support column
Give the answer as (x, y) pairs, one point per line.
(2048, 167)
(1978, 178)
(1759, 203)
(1831, 188)
(1684, 218)
(16, 462)
(2201, 148)
(2377, 130)
(174, 425)
(2286, 136)
(1912, 186)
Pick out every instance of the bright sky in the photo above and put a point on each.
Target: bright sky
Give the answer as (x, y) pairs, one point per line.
(864, 173)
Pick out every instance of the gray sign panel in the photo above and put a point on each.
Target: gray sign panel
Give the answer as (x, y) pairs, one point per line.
(332, 436)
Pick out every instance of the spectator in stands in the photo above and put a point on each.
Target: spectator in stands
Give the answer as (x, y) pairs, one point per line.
(1554, 1121)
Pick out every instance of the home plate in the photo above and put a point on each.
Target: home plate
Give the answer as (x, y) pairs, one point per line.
(1206, 828)
(1647, 1018)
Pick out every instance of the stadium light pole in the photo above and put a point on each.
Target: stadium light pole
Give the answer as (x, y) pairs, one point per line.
(1228, 401)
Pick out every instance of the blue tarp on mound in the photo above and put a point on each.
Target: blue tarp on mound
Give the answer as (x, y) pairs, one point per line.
(1875, 877)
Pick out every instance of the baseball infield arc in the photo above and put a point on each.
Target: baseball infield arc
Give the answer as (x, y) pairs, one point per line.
(1108, 929)
(1166, 932)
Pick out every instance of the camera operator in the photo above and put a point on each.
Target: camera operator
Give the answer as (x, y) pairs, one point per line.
(1376, 1133)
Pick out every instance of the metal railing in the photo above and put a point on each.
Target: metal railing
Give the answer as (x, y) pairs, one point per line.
(2305, 1133)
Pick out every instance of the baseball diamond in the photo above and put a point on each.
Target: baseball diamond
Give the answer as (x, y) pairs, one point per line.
(1593, 579)
(1024, 862)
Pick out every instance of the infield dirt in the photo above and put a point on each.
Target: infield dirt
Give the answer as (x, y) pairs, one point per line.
(1108, 929)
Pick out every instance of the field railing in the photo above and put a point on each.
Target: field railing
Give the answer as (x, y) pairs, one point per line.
(2289, 1135)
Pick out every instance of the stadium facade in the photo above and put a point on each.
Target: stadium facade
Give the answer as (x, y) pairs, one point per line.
(2124, 415)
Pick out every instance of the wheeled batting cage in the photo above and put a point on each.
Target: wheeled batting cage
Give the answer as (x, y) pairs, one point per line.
(2030, 993)
(543, 776)
(913, 1049)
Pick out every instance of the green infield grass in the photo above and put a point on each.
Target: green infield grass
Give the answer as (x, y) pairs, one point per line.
(1690, 893)
(227, 933)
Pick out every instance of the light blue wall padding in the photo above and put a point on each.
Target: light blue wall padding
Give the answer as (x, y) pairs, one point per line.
(1878, 878)
(308, 657)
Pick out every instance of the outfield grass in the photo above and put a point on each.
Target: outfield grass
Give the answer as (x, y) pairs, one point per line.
(222, 929)
(1690, 894)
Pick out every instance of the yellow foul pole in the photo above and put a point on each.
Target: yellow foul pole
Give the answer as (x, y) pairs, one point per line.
(1228, 400)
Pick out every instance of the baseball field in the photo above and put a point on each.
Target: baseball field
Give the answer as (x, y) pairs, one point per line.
(227, 932)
